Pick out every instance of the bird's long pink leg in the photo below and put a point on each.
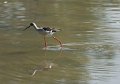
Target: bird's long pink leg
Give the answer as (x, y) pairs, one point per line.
(45, 42)
(58, 41)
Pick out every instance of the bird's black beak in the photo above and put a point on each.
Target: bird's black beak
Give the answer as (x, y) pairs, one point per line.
(26, 28)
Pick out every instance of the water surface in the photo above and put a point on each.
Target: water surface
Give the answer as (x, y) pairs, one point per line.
(90, 36)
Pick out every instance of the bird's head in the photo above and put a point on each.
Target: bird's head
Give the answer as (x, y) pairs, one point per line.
(31, 24)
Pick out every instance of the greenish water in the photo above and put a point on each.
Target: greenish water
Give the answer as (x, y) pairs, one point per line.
(89, 33)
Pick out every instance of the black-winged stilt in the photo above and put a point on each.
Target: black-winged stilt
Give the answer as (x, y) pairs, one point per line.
(45, 31)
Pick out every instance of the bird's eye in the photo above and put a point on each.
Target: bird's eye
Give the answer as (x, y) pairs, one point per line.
(31, 24)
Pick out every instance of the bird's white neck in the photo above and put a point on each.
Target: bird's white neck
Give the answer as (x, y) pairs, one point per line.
(35, 26)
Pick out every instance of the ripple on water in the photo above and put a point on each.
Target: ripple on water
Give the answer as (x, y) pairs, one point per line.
(56, 48)
(72, 44)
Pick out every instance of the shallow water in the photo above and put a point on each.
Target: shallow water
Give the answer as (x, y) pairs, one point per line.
(89, 33)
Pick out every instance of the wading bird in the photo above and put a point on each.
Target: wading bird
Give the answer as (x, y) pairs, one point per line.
(45, 31)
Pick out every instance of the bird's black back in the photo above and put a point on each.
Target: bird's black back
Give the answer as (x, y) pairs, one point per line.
(49, 29)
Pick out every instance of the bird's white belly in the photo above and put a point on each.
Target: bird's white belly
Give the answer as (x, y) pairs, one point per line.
(46, 33)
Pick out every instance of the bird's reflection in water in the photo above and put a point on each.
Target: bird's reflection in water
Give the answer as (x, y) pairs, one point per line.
(46, 64)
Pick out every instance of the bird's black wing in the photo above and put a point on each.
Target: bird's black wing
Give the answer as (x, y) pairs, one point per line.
(49, 29)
